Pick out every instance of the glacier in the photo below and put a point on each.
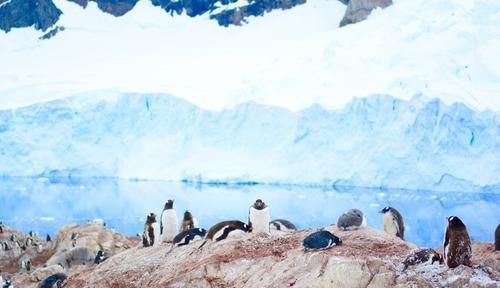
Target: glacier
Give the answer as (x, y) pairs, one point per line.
(378, 141)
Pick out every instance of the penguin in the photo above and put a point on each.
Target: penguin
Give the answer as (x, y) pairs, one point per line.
(28, 242)
(1, 227)
(100, 257)
(74, 236)
(188, 222)
(422, 256)
(497, 238)
(282, 225)
(457, 245)
(48, 238)
(54, 281)
(351, 220)
(26, 264)
(321, 240)
(151, 231)
(187, 236)
(12, 238)
(221, 230)
(393, 222)
(258, 217)
(6, 283)
(168, 224)
(5, 246)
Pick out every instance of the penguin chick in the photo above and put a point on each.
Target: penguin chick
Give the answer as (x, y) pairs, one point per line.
(149, 235)
(457, 245)
(351, 220)
(393, 222)
(188, 222)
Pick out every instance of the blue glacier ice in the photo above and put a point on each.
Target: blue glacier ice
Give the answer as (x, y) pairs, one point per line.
(378, 141)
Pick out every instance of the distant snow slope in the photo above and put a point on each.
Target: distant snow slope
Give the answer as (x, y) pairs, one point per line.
(291, 59)
(377, 142)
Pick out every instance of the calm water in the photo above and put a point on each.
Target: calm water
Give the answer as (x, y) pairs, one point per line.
(43, 205)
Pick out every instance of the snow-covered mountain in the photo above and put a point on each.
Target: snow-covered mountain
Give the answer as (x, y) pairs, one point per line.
(288, 58)
(377, 142)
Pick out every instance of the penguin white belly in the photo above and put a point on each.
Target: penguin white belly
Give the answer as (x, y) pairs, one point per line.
(390, 225)
(156, 232)
(260, 220)
(364, 223)
(169, 221)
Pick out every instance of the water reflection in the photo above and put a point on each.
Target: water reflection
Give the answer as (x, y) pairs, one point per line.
(43, 205)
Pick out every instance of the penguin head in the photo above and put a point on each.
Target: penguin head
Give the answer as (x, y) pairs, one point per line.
(202, 231)
(188, 216)
(247, 227)
(385, 210)
(356, 212)
(259, 204)
(455, 222)
(169, 204)
(151, 218)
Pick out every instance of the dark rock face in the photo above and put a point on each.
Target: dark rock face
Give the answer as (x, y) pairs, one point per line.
(25, 13)
(113, 7)
(235, 16)
(52, 33)
(358, 10)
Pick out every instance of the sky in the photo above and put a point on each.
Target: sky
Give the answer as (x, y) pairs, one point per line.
(291, 59)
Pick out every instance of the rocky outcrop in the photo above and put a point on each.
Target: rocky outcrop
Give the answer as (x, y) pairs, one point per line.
(76, 244)
(225, 17)
(26, 13)
(358, 10)
(367, 258)
(113, 7)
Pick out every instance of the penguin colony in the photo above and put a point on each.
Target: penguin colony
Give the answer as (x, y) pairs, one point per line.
(456, 247)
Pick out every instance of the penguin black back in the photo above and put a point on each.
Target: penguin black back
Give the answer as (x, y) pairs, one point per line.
(57, 279)
(148, 236)
(457, 245)
(226, 227)
(187, 236)
(321, 240)
(497, 238)
(279, 224)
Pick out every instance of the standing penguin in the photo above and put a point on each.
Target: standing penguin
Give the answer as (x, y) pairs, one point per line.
(188, 222)
(497, 238)
(151, 234)
(457, 248)
(393, 222)
(258, 217)
(168, 224)
(351, 220)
